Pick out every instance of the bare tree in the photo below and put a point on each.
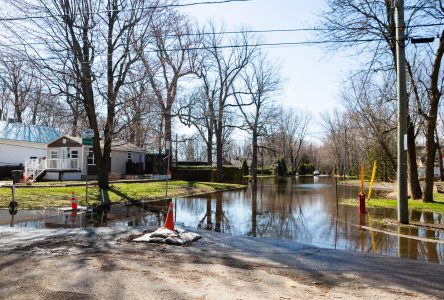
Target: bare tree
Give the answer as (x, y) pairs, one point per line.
(218, 70)
(296, 125)
(96, 38)
(369, 27)
(171, 60)
(194, 110)
(255, 99)
(373, 105)
(18, 77)
(4, 101)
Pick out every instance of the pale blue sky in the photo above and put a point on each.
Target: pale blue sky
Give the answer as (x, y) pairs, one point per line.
(313, 77)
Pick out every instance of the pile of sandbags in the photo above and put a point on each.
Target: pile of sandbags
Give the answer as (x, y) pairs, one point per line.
(167, 236)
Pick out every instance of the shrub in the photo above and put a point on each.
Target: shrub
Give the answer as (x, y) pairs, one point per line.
(305, 169)
(281, 167)
(245, 170)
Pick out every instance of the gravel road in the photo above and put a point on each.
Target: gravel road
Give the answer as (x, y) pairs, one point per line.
(103, 263)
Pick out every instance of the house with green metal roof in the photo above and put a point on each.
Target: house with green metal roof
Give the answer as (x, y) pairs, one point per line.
(19, 142)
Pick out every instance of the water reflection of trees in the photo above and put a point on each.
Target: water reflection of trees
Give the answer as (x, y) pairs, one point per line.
(306, 211)
(222, 221)
(274, 212)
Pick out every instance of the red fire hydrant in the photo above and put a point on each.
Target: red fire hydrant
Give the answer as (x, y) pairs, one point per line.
(362, 203)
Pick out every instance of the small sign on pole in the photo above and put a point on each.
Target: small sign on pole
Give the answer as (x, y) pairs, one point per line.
(87, 133)
(87, 142)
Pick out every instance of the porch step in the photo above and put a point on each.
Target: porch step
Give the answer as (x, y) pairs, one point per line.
(40, 176)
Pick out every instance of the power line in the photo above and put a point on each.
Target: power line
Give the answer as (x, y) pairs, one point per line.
(277, 44)
(230, 32)
(23, 18)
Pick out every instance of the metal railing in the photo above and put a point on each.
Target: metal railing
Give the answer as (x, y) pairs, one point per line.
(63, 164)
(35, 167)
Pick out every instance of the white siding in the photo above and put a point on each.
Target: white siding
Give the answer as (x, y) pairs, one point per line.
(66, 176)
(16, 152)
(119, 159)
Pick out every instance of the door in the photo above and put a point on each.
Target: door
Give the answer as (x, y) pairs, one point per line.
(74, 160)
(65, 156)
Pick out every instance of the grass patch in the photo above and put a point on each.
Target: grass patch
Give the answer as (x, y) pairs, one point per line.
(56, 196)
(436, 206)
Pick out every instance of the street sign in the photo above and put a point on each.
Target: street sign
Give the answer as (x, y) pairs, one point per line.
(88, 142)
(87, 133)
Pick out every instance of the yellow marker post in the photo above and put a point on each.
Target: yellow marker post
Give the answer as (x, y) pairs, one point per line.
(372, 233)
(372, 181)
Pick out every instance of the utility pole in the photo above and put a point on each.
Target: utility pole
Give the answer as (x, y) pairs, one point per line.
(403, 216)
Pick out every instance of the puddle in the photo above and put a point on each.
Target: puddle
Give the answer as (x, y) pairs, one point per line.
(303, 210)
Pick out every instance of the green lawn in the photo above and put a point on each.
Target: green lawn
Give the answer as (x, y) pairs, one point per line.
(436, 206)
(36, 196)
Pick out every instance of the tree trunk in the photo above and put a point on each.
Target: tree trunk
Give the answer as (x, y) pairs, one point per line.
(254, 160)
(88, 100)
(430, 160)
(292, 160)
(167, 118)
(438, 149)
(18, 112)
(210, 148)
(415, 187)
(168, 135)
(435, 96)
(219, 153)
(440, 164)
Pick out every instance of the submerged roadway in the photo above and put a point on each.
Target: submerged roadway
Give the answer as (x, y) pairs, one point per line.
(103, 263)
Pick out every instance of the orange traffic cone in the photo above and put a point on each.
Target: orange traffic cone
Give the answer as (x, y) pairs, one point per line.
(73, 201)
(169, 222)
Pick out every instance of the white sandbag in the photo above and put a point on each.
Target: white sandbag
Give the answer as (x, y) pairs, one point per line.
(163, 233)
(167, 236)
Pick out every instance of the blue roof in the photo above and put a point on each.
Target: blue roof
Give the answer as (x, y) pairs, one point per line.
(27, 133)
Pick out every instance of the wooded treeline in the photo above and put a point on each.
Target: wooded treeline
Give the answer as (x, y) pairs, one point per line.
(366, 129)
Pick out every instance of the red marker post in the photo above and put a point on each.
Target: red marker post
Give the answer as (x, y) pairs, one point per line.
(362, 203)
(361, 194)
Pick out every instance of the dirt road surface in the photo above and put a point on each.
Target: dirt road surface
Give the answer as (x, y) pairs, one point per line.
(104, 264)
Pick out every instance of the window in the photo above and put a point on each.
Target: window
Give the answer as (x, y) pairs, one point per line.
(75, 154)
(91, 159)
(130, 156)
(54, 154)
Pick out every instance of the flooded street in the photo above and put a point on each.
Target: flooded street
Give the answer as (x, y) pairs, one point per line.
(304, 210)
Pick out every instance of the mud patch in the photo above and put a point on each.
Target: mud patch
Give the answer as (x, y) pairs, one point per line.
(68, 295)
(59, 246)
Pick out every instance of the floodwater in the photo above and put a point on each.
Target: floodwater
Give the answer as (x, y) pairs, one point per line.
(302, 209)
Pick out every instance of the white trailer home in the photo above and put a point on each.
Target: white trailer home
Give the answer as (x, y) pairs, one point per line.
(19, 142)
(67, 159)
